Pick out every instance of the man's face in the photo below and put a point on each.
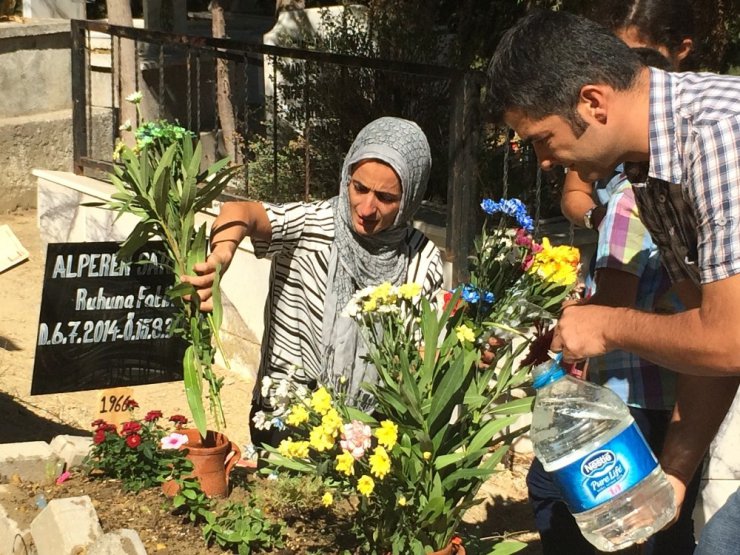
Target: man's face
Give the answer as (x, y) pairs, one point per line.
(556, 144)
(374, 197)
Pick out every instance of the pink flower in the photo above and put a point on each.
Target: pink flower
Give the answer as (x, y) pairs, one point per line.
(133, 441)
(527, 262)
(153, 415)
(173, 441)
(356, 438)
(63, 477)
(523, 239)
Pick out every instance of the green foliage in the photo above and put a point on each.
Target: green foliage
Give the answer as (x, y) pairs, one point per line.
(191, 501)
(135, 456)
(160, 181)
(244, 528)
(412, 468)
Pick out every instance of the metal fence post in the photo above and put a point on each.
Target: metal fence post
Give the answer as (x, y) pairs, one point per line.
(462, 186)
(79, 96)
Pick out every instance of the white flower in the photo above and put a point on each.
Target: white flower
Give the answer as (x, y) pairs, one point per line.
(135, 97)
(283, 389)
(266, 385)
(272, 476)
(351, 310)
(301, 391)
(126, 126)
(260, 421)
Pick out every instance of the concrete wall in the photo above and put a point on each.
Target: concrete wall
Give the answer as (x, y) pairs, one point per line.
(35, 114)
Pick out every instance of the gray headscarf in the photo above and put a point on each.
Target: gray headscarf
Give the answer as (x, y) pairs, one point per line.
(357, 261)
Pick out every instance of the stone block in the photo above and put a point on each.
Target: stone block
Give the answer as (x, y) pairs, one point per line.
(66, 526)
(31, 461)
(119, 542)
(55, 9)
(71, 449)
(14, 538)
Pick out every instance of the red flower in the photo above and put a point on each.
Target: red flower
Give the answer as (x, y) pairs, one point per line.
(109, 428)
(153, 415)
(99, 437)
(133, 441)
(179, 420)
(131, 427)
(99, 423)
(527, 262)
(447, 298)
(130, 404)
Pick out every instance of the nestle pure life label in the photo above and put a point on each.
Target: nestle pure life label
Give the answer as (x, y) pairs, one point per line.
(607, 471)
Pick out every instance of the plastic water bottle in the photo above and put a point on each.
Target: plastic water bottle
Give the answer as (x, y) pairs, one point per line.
(584, 435)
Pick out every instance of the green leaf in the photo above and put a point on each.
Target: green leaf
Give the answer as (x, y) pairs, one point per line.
(194, 389)
(507, 547)
(490, 429)
(517, 406)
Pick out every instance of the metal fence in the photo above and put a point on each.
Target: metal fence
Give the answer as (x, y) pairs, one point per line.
(296, 111)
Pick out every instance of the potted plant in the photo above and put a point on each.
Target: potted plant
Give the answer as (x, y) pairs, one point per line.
(160, 181)
(442, 420)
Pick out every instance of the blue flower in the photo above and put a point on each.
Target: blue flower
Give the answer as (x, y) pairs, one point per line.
(278, 424)
(511, 207)
(488, 297)
(470, 294)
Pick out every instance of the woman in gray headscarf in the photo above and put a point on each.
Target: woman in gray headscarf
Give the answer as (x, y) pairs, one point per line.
(323, 252)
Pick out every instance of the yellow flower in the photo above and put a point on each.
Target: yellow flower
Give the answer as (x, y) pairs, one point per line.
(327, 499)
(299, 450)
(320, 440)
(285, 447)
(556, 264)
(402, 502)
(346, 463)
(383, 293)
(370, 305)
(332, 422)
(464, 333)
(427, 455)
(298, 415)
(409, 290)
(321, 401)
(380, 462)
(365, 485)
(387, 434)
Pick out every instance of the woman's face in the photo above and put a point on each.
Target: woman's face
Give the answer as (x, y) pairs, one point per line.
(374, 197)
(632, 37)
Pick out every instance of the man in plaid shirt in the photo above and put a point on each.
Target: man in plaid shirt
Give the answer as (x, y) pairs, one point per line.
(587, 102)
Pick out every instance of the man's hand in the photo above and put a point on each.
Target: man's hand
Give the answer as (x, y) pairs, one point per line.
(581, 331)
(679, 494)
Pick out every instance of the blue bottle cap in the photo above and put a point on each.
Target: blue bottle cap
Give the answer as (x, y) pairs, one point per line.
(548, 372)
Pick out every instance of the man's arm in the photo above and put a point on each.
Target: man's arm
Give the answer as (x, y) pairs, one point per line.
(577, 200)
(704, 341)
(701, 405)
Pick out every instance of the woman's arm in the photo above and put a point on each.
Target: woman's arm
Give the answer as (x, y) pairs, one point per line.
(577, 200)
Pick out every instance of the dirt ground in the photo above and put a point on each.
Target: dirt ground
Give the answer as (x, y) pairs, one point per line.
(504, 510)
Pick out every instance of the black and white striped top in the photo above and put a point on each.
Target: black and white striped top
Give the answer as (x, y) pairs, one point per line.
(302, 234)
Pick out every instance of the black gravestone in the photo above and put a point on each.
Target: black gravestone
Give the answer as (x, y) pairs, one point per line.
(104, 322)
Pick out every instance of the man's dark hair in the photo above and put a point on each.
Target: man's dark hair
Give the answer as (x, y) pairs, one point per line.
(542, 63)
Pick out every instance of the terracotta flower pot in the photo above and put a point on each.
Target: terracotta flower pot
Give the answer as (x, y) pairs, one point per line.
(211, 462)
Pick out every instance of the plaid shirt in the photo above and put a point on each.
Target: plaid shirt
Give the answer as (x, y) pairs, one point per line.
(625, 245)
(690, 200)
